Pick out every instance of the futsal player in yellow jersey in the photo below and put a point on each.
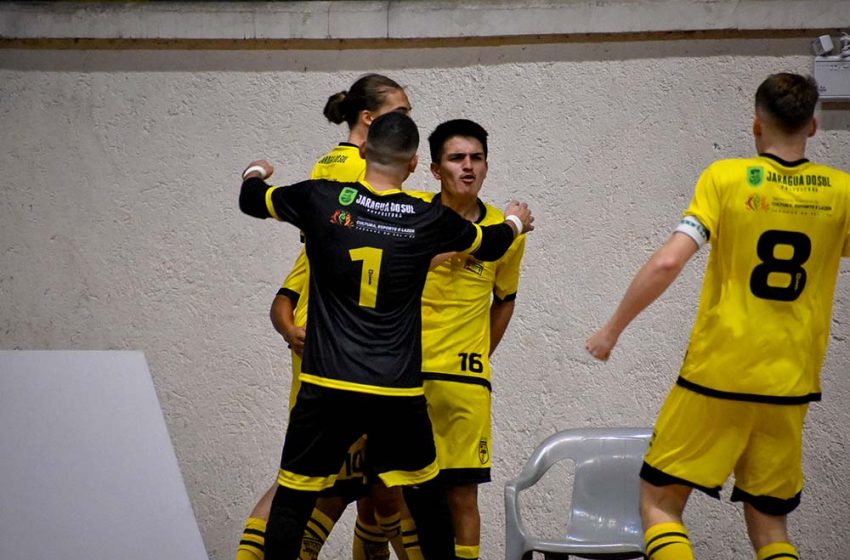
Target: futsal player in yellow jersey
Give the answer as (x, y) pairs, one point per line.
(466, 307)
(369, 97)
(778, 225)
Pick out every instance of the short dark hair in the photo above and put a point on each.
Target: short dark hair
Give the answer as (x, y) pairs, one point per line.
(392, 139)
(450, 129)
(367, 93)
(788, 99)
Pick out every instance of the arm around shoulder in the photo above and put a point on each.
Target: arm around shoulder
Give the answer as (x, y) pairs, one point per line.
(497, 239)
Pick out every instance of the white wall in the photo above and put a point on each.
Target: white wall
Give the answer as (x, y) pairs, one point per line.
(120, 230)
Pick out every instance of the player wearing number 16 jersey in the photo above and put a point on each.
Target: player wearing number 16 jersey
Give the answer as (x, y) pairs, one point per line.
(370, 245)
(778, 225)
(466, 308)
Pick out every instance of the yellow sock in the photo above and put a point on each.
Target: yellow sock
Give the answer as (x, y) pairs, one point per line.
(465, 552)
(370, 542)
(253, 542)
(777, 551)
(410, 539)
(315, 534)
(391, 526)
(668, 541)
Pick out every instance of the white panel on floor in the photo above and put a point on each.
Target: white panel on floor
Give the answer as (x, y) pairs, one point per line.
(87, 470)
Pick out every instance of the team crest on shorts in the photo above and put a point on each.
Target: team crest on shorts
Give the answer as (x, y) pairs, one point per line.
(483, 452)
(755, 176)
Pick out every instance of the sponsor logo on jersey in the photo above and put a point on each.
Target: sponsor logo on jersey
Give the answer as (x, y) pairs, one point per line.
(342, 218)
(347, 196)
(755, 176)
(474, 266)
(333, 158)
(757, 202)
(385, 229)
(798, 182)
(384, 208)
(483, 451)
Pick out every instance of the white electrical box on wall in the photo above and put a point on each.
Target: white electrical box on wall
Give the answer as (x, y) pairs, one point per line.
(832, 74)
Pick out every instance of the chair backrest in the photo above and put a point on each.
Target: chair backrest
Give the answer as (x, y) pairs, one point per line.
(604, 516)
(605, 491)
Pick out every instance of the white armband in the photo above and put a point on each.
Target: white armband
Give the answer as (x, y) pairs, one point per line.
(516, 221)
(691, 227)
(253, 168)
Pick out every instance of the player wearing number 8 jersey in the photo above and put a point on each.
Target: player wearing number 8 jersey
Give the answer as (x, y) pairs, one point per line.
(778, 225)
(370, 245)
(777, 233)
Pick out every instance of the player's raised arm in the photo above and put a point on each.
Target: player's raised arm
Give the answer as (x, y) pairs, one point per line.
(261, 200)
(252, 196)
(258, 168)
(651, 281)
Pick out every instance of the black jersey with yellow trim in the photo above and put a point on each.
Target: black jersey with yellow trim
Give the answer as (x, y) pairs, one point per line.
(369, 255)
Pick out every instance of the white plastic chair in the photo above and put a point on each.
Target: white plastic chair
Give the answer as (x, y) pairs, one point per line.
(604, 519)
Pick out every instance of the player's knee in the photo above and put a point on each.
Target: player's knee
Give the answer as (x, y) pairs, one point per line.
(333, 507)
(386, 501)
(662, 503)
(463, 499)
(264, 504)
(764, 528)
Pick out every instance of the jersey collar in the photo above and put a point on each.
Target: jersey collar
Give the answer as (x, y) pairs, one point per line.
(482, 208)
(782, 162)
(378, 193)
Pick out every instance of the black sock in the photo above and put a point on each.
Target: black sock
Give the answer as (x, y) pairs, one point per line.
(429, 507)
(288, 518)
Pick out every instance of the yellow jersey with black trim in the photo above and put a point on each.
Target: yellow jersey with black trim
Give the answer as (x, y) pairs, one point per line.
(343, 163)
(369, 255)
(456, 308)
(777, 231)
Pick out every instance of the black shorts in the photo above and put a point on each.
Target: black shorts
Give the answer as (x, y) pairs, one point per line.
(325, 422)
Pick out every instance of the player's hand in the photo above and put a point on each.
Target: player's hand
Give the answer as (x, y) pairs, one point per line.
(600, 344)
(523, 212)
(295, 338)
(258, 168)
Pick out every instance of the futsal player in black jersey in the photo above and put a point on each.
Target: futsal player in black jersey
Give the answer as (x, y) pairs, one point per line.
(370, 245)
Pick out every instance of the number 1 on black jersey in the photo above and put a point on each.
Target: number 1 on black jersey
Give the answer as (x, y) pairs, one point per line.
(369, 274)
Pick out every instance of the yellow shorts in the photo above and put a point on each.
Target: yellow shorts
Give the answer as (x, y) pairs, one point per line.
(460, 415)
(699, 441)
